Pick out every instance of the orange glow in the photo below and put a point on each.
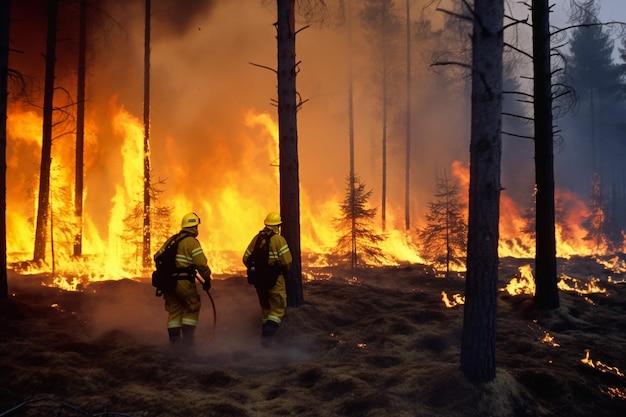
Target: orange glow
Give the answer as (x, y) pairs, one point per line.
(569, 232)
(591, 286)
(549, 340)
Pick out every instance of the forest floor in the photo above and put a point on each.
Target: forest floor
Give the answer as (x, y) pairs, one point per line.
(374, 342)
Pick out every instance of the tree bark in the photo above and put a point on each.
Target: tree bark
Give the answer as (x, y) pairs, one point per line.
(80, 128)
(479, 321)
(147, 257)
(546, 295)
(43, 205)
(353, 257)
(5, 11)
(383, 207)
(288, 145)
(407, 179)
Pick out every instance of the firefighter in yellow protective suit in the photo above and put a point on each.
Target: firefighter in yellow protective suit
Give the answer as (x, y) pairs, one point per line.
(183, 303)
(273, 301)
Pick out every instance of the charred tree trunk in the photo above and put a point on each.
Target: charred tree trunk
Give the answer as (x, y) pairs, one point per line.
(546, 295)
(351, 135)
(43, 205)
(383, 208)
(147, 259)
(407, 179)
(288, 145)
(80, 128)
(478, 349)
(5, 9)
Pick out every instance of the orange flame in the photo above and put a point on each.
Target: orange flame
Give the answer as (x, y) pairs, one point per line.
(524, 284)
(457, 299)
(599, 365)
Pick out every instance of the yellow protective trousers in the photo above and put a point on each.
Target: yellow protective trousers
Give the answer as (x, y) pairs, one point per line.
(273, 301)
(182, 304)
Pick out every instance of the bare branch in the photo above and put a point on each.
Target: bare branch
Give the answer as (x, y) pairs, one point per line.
(518, 136)
(461, 64)
(518, 116)
(263, 66)
(518, 50)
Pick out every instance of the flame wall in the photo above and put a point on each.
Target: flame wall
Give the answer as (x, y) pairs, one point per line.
(213, 126)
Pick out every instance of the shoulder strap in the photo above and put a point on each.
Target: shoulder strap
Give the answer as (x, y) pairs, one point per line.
(263, 234)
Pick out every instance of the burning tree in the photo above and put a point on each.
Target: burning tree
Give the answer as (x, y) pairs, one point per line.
(358, 242)
(43, 205)
(4, 75)
(444, 239)
(597, 223)
(160, 222)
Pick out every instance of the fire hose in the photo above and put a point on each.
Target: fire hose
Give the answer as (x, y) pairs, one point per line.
(214, 312)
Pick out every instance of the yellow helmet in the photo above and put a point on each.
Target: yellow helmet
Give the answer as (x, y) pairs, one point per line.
(190, 220)
(273, 219)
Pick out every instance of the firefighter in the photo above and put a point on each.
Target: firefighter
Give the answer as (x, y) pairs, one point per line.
(273, 301)
(183, 303)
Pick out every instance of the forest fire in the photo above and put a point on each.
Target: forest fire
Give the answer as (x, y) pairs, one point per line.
(112, 248)
(219, 158)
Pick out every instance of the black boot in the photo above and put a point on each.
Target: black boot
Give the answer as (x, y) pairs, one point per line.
(269, 330)
(174, 334)
(188, 335)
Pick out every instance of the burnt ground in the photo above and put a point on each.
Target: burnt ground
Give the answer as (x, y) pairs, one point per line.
(375, 342)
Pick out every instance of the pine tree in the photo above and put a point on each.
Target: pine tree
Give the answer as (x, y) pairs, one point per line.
(594, 132)
(444, 239)
(358, 243)
(5, 11)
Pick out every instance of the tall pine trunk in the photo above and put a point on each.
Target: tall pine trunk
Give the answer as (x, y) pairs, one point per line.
(147, 258)
(383, 207)
(478, 349)
(80, 128)
(351, 137)
(546, 295)
(288, 145)
(5, 11)
(43, 205)
(407, 178)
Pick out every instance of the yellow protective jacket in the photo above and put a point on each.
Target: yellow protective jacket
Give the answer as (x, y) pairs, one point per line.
(279, 251)
(190, 253)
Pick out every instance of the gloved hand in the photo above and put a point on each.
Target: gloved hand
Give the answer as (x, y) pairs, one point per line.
(206, 285)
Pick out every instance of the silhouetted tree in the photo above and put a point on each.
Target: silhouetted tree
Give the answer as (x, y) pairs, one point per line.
(159, 221)
(43, 206)
(288, 145)
(80, 126)
(407, 167)
(147, 256)
(596, 223)
(358, 243)
(5, 12)
(478, 348)
(546, 295)
(383, 25)
(444, 238)
(595, 131)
